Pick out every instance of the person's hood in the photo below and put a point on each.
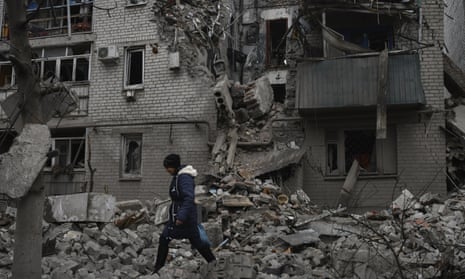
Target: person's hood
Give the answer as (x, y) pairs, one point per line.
(188, 170)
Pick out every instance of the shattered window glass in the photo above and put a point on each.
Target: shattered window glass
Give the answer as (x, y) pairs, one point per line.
(71, 151)
(360, 145)
(72, 62)
(132, 151)
(82, 69)
(66, 70)
(134, 66)
(49, 69)
(6, 75)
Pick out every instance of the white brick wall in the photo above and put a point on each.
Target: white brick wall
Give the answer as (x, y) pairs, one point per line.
(167, 95)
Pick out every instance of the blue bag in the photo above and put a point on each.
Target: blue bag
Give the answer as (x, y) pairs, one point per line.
(203, 235)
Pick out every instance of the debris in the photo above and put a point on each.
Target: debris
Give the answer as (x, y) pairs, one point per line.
(260, 239)
(301, 237)
(22, 164)
(82, 207)
(236, 201)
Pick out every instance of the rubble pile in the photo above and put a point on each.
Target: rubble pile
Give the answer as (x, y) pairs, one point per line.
(258, 231)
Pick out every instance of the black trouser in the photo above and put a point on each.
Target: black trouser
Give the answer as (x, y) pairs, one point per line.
(178, 232)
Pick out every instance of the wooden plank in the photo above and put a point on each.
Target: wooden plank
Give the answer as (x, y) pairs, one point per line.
(381, 117)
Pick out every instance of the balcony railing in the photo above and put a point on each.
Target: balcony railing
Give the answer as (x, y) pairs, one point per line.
(59, 19)
(80, 89)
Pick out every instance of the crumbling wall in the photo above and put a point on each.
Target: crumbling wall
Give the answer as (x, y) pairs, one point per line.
(454, 31)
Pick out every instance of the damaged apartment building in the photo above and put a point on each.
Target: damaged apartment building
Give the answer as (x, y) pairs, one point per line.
(312, 94)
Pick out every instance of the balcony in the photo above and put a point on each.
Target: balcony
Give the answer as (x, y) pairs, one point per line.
(57, 18)
(353, 83)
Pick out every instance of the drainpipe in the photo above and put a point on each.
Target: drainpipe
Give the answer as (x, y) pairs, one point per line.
(68, 12)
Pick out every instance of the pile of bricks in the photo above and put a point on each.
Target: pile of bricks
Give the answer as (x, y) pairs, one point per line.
(259, 231)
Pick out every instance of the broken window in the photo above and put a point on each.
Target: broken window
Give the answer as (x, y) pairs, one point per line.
(6, 75)
(6, 140)
(374, 156)
(68, 64)
(131, 155)
(71, 147)
(276, 41)
(370, 31)
(279, 92)
(134, 74)
(360, 145)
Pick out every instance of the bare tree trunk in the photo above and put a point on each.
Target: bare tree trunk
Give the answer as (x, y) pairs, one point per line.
(28, 233)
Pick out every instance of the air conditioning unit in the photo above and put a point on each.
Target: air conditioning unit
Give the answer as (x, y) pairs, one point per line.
(107, 53)
(130, 95)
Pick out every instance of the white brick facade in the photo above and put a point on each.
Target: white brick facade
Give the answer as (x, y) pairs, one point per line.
(167, 95)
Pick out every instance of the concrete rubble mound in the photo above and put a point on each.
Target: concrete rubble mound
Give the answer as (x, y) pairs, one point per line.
(259, 231)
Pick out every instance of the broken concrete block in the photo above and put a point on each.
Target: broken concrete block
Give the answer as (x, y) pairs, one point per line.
(162, 212)
(259, 98)
(333, 228)
(125, 258)
(82, 207)
(22, 164)
(214, 232)
(404, 201)
(93, 249)
(236, 201)
(129, 205)
(223, 96)
(301, 238)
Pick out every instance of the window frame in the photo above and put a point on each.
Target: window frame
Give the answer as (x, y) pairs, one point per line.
(13, 76)
(57, 59)
(268, 42)
(381, 147)
(125, 138)
(54, 160)
(128, 51)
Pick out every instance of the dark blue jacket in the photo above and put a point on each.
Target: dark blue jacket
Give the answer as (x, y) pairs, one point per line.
(182, 193)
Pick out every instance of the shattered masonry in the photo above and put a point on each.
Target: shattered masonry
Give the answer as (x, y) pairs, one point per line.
(273, 238)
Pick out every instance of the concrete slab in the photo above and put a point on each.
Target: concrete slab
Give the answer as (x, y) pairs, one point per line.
(22, 164)
(162, 213)
(82, 207)
(301, 238)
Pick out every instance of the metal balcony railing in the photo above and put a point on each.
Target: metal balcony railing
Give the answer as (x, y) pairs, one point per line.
(57, 18)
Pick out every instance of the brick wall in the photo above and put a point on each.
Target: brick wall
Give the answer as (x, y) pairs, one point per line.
(167, 95)
(420, 142)
(188, 140)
